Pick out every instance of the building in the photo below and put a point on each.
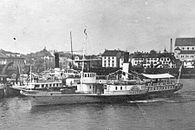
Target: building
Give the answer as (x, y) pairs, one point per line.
(114, 58)
(41, 60)
(90, 61)
(185, 51)
(153, 60)
(65, 60)
(6, 57)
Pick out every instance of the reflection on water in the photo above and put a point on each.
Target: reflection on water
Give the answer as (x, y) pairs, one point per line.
(176, 112)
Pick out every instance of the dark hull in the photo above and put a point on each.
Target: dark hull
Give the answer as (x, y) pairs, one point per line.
(1, 92)
(157, 94)
(58, 98)
(12, 92)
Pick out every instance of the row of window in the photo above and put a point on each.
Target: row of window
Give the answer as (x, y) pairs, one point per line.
(188, 48)
(47, 85)
(187, 56)
(154, 59)
(109, 65)
(89, 75)
(164, 62)
(108, 57)
(161, 88)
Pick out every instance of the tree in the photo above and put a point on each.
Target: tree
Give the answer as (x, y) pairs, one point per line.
(153, 52)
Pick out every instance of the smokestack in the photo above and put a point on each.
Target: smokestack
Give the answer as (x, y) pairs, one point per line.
(171, 45)
(126, 57)
(56, 60)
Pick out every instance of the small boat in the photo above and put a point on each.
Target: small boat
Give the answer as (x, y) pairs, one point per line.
(2, 87)
(36, 82)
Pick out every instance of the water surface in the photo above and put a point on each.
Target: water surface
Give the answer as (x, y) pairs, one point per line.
(173, 113)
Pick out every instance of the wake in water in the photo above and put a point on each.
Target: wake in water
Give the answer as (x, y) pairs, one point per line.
(152, 100)
(187, 96)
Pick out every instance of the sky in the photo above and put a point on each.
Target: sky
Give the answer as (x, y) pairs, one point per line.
(131, 25)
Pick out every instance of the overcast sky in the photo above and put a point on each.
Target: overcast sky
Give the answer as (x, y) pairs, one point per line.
(30, 25)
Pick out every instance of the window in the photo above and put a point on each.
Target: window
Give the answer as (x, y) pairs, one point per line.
(192, 48)
(187, 48)
(182, 48)
(116, 88)
(121, 88)
(36, 85)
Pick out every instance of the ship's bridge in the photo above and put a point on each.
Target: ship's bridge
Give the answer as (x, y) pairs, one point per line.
(89, 77)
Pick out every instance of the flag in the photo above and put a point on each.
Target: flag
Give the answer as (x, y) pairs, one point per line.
(85, 31)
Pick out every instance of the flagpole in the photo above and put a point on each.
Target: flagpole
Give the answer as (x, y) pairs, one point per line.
(82, 73)
(179, 74)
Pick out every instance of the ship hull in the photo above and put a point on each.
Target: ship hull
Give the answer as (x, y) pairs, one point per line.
(164, 92)
(58, 98)
(78, 99)
(1, 92)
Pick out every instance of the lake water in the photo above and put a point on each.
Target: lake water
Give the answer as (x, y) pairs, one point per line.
(174, 113)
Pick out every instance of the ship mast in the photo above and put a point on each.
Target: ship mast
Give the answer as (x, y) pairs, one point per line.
(71, 49)
(82, 74)
(179, 74)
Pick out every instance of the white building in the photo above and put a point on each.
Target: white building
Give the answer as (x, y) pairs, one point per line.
(158, 60)
(185, 51)
(114, 58)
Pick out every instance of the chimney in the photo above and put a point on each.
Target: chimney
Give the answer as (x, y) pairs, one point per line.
(171, 45)
(56, 60)
(126, 57)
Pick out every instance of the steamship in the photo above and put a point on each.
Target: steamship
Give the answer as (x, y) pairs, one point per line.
(123, 87)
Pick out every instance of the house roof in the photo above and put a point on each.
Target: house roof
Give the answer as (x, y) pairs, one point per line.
(177, 48)
(187, 52)
(113, 53)
(185, 42)
(11, 55)
(2, 55)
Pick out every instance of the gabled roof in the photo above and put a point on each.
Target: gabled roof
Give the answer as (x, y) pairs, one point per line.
(185, 42)
(113, 53)
(157, 55)
(11, 55)
(2, 55)
(177, 48)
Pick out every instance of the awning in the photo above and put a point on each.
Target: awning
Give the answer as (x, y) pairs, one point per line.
(158, 76)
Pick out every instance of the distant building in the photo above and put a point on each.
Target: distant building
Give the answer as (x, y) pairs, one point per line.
(90, 61)
(7, 57)
(153, 60)
(185, 51)
(114, 58)
(41, 60)
(65, 60)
